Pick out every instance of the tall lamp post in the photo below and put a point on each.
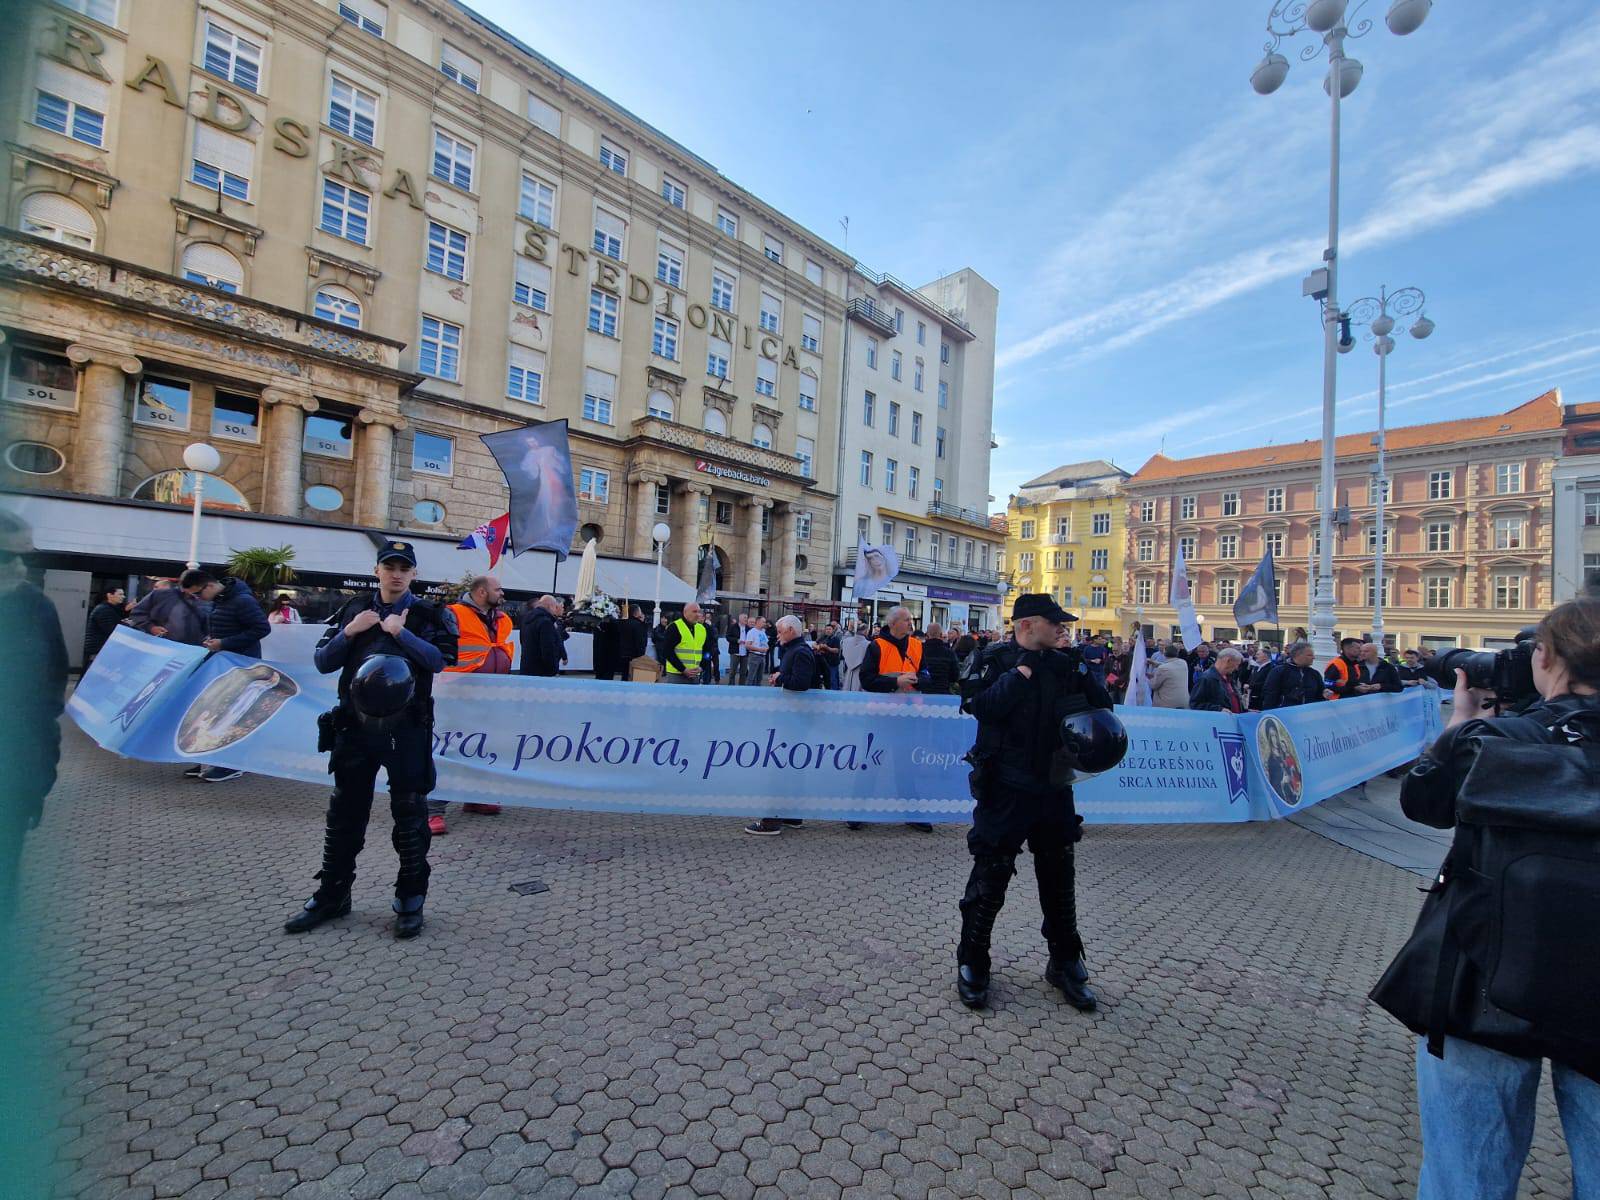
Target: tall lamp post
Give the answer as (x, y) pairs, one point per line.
(1378, 313)
(662, 533)
(203, 460)
(1329, 19)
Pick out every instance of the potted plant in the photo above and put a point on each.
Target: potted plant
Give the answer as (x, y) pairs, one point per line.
(263, 567)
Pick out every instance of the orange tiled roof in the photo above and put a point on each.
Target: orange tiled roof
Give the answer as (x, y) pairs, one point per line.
(1541, 413)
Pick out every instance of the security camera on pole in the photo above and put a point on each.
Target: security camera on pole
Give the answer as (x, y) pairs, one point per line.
(1378, 314)
(1328, 18)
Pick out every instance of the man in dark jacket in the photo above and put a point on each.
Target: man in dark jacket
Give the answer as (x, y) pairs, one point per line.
(797, 672)
(177, 613)
(632, 637)
(543, 647)
(1294, 680)
(1215, 690)
(1377, 673)
(103, 621)
(939, 662)
(235, 625)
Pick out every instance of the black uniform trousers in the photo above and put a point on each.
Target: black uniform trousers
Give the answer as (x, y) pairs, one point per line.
(406, 753)
(1007, 816)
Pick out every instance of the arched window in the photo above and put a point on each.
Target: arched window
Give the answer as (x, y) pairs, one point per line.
(337, 305)
(213, 266)
(715, 422)
(48, 215)
(177, 487)
(591, 533)
(762, 436)
(659, 404)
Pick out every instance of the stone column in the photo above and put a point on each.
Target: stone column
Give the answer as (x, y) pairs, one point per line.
(753, 507)
(375, 471)
(102, 418)
(787, 545)
(687, 531)
(285, 438)
(642, 544)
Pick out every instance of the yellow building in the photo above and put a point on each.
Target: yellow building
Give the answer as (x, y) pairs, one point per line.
(1064, 536)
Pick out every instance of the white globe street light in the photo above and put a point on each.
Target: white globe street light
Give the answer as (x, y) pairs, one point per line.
(662, 533)
(203, 460)
(1334, 22)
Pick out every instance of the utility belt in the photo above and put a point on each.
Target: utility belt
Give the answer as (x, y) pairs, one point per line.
(342, 718)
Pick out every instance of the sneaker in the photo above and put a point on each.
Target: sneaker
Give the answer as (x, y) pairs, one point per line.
(436, 825)
(220, 774)
(764, 827)
(485, 810)
(194, 771)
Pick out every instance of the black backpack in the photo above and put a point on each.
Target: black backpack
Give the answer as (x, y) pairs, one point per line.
(1506, 951)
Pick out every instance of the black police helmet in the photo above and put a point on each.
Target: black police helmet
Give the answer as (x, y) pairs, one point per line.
(1093, 741)
(382, 687)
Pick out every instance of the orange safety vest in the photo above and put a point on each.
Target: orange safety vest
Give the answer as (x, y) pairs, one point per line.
(474, 641)
(1343, 670)
(891, 662)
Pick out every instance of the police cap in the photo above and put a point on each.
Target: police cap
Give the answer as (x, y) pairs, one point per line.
(404, 551)
(1039, 604)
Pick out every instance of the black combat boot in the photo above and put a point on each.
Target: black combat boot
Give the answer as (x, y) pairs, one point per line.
(331, 900)
(1056, 870)
(408, 920)
(986, 893)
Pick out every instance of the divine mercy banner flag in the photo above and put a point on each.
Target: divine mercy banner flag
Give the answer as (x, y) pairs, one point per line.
(537, 464)
(737, 752)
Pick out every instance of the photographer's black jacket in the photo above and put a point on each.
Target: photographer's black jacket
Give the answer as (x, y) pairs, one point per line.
(428, 640)
(1019, 719)
(1428, 791)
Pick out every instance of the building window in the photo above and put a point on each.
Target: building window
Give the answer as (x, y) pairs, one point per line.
(594, 485)
(462, 67)
(663, 500)
(669, 265)
(531, 287)
(922, 334)
(1063, 528)
(911, 541)
(432, 454)
(1275, 500)
(771, 313)
(366, 15)
(805, 450)
(1508, 479)
(70, 103)
(329, 436)
(599, 390)
(717, 354)
(664, 338)
(872, 353)
(222, 162)
(894, 418)
(1027, 532)
(1024, 559)
(34, 458)
(894, 364)
(1508, 591)
(944, 352)
(722, 290)
(672, 191)
(1102, 524)
(1441, 485)
(1228, 545)
(916, 429)
(1372, 538)
(613, 157)
(727, 222)
(814, 272)
(899, 320)
(966, 553)
(1227, 591)
(1591, 508)
(608, 234)
(725, 515)
(1372, 490)
(104, 11)
(57, 219)
(1230, 504)
(439, 352)
(916, 375)
(1147, 510)
(802, 525)
(891, 471)
(536, 201)
(808, 392)
(714, 422)
(43, 380)
(428, 512)
(453, 159)
(353, 112)
(237, 59)
(1591, 571)
(602, 313)
(525, 375)
(761, 436)
(322, 498)
(766, 378)
(345, 211)
(164, 403)
(658, 404)
(1272, 543)
(1099, 560)
(938, 442)
(1370, 585)
(869, 409)
(1187, 547)
(1069, 561)
(1144, 591)
(1436, 591)
(772, 248)
(811, 333)
(447, 251)
(1441, 536)
(236, 418)
(212, 266)
(913, 482)
(1509, 533)
(1147, 550)
(1186, 508)
(944, 394)
(544, 115)
(866, 468)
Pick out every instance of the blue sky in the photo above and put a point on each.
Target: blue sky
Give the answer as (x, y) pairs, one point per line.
(1147, 217)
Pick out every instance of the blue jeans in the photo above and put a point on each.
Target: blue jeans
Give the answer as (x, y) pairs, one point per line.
(1477, 1122)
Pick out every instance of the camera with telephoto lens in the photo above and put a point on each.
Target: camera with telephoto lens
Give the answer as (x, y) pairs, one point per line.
(1508, 673)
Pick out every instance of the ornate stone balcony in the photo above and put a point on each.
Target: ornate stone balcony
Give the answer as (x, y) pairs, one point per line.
(698, 441)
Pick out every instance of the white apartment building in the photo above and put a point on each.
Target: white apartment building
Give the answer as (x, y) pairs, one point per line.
(916, 419)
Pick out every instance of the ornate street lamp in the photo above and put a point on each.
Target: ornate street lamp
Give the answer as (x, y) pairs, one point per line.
(203, 460)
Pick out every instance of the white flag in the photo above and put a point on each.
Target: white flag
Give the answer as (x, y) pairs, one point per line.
(1139, 675)
(875, 567)
(1188, 623)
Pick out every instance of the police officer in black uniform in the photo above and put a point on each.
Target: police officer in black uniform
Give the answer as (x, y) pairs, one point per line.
(387, 647)
(1021, 690)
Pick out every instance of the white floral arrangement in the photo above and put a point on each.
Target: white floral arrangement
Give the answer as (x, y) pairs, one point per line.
(600, 606)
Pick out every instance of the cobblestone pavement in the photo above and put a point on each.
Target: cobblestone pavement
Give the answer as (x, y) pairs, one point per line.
(689, 1011)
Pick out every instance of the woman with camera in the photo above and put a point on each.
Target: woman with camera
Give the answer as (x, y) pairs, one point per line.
(1501, 972)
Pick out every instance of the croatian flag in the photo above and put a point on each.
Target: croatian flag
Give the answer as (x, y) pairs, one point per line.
(492, 536)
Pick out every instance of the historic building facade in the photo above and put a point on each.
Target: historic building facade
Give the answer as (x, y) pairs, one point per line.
(1468, 528)
(339, 239)
(1065, 536)
(1576, 487)
(917, 413)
